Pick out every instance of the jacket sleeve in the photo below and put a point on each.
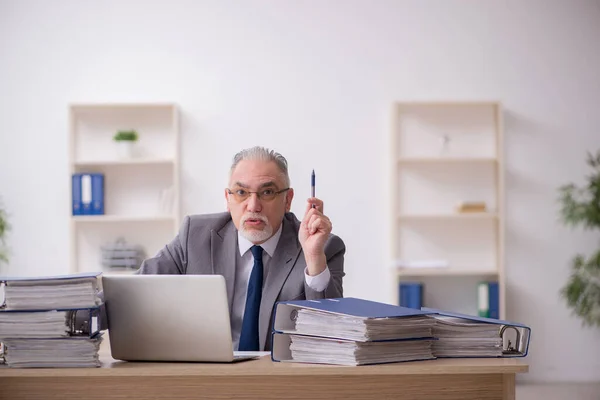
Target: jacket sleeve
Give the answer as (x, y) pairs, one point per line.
(335, 250)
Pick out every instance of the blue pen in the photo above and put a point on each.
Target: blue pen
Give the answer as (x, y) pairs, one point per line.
(312, 185)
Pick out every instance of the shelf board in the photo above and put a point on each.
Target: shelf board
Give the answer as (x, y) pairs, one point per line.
(122, 218)
(447, 160)
(447, 103)
(119, 106)
(443, 217)
(133, 161)
(444, 272)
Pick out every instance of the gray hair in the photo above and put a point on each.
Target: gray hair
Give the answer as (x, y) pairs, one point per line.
(263, 154)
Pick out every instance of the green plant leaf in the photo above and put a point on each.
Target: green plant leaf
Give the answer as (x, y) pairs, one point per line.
(126, 136)
(580, 206)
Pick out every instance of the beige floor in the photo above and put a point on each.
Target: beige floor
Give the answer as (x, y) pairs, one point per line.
(558, 391)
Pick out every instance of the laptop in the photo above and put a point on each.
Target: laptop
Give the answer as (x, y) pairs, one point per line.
(176, 318)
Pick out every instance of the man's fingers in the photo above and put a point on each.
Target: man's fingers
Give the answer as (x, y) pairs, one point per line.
(317, 202)
(314, 219)
(318, 222)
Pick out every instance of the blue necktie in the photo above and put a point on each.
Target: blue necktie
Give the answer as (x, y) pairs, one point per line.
(249, 336)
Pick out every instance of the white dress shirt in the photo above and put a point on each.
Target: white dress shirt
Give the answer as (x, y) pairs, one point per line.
(242, 276)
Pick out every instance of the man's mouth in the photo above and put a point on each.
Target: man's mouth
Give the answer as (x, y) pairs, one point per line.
(254, 221)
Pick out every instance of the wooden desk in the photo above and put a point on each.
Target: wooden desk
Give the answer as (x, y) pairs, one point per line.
(263, 379)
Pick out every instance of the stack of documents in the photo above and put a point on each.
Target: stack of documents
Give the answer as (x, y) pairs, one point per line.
(46, 324)
(360, 328)
(51, 321)
(80, 352)
(310, 349)
(350, 331)
(76, 291)
(459, 337)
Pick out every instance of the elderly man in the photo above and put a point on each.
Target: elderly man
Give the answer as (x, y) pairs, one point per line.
(264, 252)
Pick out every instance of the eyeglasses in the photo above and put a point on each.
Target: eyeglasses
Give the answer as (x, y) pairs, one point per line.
(240, 195)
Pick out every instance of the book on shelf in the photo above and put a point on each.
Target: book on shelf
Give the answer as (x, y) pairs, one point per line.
(87, 194)
(350, 331)
(471, 207)
(411, 294)
(488, 301)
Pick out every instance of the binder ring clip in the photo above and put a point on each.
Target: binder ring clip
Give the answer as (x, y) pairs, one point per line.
(509, 348)
(294, 315)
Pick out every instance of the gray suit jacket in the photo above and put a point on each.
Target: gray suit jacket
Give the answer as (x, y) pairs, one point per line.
(207, 244)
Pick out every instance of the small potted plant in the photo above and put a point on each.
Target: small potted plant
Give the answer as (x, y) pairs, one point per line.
(125, 141)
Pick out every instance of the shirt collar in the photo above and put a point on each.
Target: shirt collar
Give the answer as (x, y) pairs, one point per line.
(268, 246)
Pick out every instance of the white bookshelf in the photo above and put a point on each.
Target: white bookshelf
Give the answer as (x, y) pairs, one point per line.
(135, 188)
(444, 153)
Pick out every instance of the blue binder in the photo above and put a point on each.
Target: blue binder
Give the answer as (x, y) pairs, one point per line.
(523, 332)
(76, 194)
(97, 194)
(285, 315)
(353, 306)
(88, 194)
(494, 300)
(411, 295)
(286, 312)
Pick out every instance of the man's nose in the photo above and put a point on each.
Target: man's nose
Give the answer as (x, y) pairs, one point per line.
(254, 204)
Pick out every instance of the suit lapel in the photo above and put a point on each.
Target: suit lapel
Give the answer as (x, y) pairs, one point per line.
(280, 266)
(223, 247)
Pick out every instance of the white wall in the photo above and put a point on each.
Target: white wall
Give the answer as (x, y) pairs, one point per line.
(315, 81)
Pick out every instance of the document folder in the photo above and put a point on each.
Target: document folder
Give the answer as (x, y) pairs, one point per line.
(51, 292)
(350, 331)
(322, 350)
(285, 313)
(522, 333)
(49, 323)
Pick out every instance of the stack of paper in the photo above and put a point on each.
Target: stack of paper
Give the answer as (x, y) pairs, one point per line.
(75, 291)
(46, 324)
(459, 337)
(320, 350)
(350, 331)
(51, 321)
(320, 323)
(78, 352)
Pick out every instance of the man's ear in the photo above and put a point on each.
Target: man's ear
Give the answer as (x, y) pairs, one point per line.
(288, 200)
(227, 199)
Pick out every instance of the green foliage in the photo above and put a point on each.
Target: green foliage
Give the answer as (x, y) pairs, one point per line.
(126, 135)
(4, 228)
(580, 206)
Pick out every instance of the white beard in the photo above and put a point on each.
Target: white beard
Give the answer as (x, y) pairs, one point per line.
(254, 235)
